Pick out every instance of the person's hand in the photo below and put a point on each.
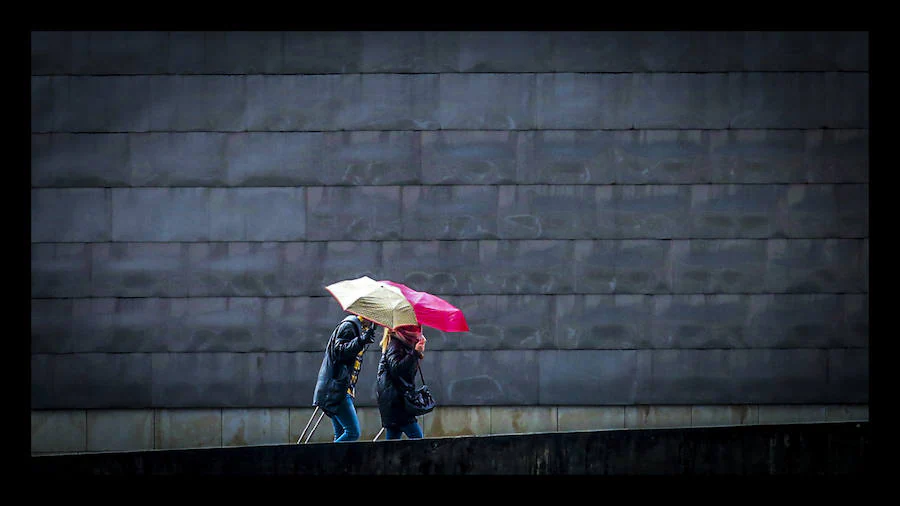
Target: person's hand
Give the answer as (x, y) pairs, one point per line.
(369, 335)
(420, 346)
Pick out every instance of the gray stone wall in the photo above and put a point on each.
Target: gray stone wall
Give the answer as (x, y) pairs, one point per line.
(633, 218)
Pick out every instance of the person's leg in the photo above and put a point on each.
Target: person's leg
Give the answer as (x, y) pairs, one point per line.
(392, 433)
(413, 431)
(346, 416)
(338, 428)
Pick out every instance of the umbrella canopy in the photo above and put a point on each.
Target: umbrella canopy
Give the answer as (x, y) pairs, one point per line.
(383, 304)
(432, 310)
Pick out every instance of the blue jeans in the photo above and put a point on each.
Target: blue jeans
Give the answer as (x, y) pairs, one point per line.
(412, 431)
(345, 421)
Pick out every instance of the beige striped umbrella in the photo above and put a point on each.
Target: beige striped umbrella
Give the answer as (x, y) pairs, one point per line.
(381, 303)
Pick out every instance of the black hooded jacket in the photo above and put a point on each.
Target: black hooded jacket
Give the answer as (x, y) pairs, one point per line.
(335, 372)
(396, 374)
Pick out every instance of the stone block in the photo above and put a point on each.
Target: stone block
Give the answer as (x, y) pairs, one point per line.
(645, 417)
(119, 430)
(62, 431)
(407, 51)
(48, 102)
(847, 412)
(800, 321)
(139, 270)
(735, 211)
(96, 104)
(816, 265)
(51, 326)
(848, 376)
(241, 52)
(323, 52)
(684, 376)
(93, 323)
(706, 416)
(811, 51)
(261, 426)
(175, 159)
(584, 101)
(648, 211)
(476, 101)
(719, 266)
(673, 156)
(475, 378)
(161, 214)
(310, 266)
(571, 418)
(551, 212)
(299, 323)
(587, 377)
(289, 379)
(847, 99)
(522, 267)
(506, 51)
(257, 214)
(71, 215)
(450, 421)
(51, 52)
(207, 103)
(525, 419)
(447, 212)
(349, 213)
(679, 100)
(101, 52)
(61, 270)
(361, 158)
(187, 52)
(640, 266)
(201, 379)
(472, 157)
(593, 322)
(270, 159)
(506, 322)
(236, 269)
(91, 380)
(778, 414)
(787, 376)
(687, 321)
(215, 325)
(448, 267)
(80, 160)
(569, 157)
(187, 428)
(779, 100)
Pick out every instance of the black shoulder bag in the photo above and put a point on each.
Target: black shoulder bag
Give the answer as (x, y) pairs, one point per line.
(419, 401)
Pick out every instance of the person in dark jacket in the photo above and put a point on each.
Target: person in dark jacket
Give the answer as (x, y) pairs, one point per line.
(401, 351)
(336, 383)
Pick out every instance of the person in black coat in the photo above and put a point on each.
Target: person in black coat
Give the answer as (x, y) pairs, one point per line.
(401, 351)
(336, 383)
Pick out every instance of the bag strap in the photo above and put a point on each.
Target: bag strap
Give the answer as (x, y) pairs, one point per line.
(419, 368)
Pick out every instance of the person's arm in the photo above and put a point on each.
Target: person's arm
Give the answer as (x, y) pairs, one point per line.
(420, 348)
(400, 362)
(347, 343)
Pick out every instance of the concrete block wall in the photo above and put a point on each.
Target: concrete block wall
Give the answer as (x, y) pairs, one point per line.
(125, 430)
(630, 220)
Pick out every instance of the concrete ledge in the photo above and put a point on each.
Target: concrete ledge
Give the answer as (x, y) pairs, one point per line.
(822, 449)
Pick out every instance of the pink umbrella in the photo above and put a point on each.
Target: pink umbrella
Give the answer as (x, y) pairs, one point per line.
(432, 310)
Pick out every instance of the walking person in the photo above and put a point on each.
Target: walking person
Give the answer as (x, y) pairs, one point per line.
(401, 351)
(336, 382)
